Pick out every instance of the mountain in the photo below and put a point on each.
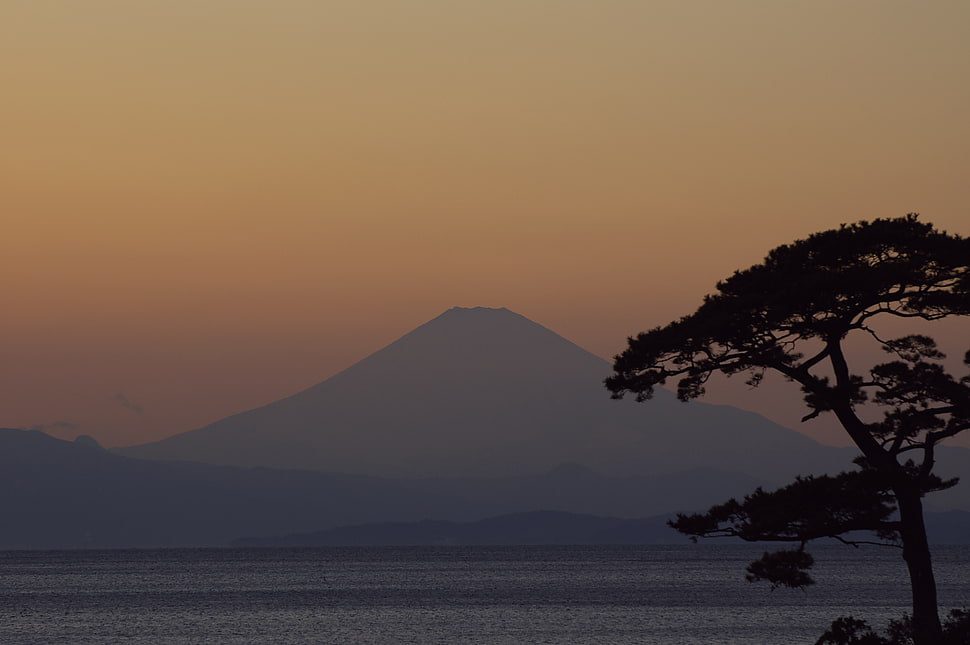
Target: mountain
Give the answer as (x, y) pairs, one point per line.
(487, 392)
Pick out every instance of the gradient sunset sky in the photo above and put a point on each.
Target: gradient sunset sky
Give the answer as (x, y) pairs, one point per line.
(208, 205)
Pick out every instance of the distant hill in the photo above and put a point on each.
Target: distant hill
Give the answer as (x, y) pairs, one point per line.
(59, 494)
(541, 527)
(948, 527)
(487, 392)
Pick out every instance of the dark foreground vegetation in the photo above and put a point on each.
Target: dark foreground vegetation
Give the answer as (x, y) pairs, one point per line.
(794, 315)
(851, 631)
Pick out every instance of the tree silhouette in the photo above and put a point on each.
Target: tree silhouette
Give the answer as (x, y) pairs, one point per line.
(793, 314)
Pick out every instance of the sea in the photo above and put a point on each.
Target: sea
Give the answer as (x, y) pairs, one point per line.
(664, 594)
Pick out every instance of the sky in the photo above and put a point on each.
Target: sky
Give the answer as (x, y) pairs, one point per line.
(208, 205)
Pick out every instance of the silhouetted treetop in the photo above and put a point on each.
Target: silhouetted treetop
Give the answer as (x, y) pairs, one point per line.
(792, 314)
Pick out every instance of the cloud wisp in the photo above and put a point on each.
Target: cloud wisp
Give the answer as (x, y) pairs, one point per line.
(128, 403)
(55, 426)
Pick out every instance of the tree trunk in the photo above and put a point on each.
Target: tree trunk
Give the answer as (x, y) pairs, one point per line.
(916, 553)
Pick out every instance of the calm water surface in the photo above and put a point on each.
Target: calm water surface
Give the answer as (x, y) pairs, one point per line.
(642, 594)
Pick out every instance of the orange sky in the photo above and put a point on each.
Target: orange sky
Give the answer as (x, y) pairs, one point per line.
(211, 204)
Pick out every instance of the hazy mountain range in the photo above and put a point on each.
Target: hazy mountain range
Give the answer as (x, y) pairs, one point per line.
(61, 494)
(476, 414)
